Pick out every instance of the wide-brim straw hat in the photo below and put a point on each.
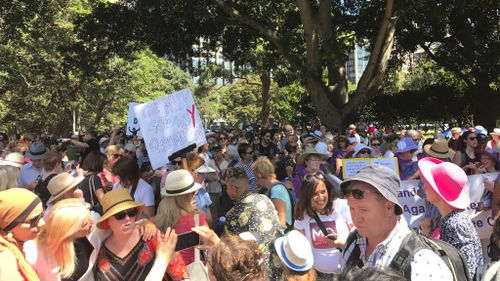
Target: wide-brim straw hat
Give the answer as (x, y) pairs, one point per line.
(447, 180)
(37, 151)
(115, 201)
(179, 182)
(310, 151)
(60, 184)
(294, 250)
(439, 149)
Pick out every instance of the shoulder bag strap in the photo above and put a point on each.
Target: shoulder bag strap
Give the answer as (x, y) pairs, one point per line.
(320, 224)
(92, 189)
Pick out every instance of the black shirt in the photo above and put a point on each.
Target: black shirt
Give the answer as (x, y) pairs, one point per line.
(83, 250)
(42, 191)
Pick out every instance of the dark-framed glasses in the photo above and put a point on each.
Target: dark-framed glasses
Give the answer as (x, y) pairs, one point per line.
(130, 213)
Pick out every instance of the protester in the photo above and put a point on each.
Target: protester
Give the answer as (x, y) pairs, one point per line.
(310, 163)
(52, 253)
(453, 142)
(296, 257)
(445, 186)
(235, 259)
(125, 255)
(130, 178)
(408, 168)
(495, 140)
(20, 221)
(89, 143)
(113, 153)
(362, 151)
(319, 211)
(380, 229)
(245, 152)
(265, 177)
(439, 149)
(339, 153)
(32, 173)
(390, 145)
(91, 185)
(214, 180)
(52, 164)
(251, 212)
(63, 186)
(13, 159)
(465, 156)
(177, 209)
(375, 145)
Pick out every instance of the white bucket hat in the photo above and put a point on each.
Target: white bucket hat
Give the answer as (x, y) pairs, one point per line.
(295, 251)
(179, 182)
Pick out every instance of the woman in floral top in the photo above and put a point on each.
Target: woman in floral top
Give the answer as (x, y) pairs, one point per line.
(253, 213)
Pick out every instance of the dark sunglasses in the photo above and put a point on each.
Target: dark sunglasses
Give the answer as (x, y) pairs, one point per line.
(472, 138)
(34, 221)
(130, 213)
(357, 193)
(222, 139)
(375, 144)
(364, 151)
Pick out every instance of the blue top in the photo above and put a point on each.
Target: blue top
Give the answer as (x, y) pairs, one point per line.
(278, 191)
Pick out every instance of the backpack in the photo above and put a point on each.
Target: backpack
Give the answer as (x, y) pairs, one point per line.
(293, 201)
(413, 243)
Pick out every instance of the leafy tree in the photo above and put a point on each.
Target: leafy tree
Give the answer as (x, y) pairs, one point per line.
(461, 36)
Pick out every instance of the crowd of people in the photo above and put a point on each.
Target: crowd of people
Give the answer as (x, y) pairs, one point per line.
(265, 203)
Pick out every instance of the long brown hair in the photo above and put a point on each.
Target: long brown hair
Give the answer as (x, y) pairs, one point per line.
(309, 184)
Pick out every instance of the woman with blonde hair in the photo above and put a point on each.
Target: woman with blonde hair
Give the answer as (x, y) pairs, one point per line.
(113, 153)
(177, 208)
(8, 177)
(52, 253)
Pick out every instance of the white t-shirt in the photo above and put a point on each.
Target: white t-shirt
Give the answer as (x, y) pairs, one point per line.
(326, 259)
(143, 193)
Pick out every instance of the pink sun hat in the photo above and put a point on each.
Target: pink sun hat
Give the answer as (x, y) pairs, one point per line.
(447, 180)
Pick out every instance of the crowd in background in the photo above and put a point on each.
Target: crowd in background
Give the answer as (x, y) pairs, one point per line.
(268, 203)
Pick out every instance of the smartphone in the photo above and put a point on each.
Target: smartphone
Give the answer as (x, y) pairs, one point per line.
(187, 240)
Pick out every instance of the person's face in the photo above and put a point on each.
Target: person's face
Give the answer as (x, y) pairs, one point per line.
(406, 155)
(486, 161)
(124, 221)
(112, 158)
(248, 156)
(267, 138)
(217, 153)
(456, 134)
(430, 195)
(87, 137)
(223, 140)
(37, 164)
(29, 229)
(320, 197)
(495, 137)
(376, 145)
(192, 199)
(289, 131)
(342, 143)
(234, 189)
(364, 153)
(86, 226)
(471, 140)
(370, 212)
(313, 163)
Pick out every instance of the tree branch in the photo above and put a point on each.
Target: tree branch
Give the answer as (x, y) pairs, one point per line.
(311, 34)
(374, 72)
(268, 33)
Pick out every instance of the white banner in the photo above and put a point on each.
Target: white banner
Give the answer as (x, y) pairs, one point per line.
(132, 123)
(169, 124)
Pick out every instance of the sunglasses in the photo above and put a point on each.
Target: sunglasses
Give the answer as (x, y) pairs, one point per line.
(357, 193)
(34, 221)
(472, 138)
(375, 144)
(310, 178)
(130, 213)
(364, 151)
(116, 156)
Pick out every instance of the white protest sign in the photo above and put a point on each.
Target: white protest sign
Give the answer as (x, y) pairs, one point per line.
(351, 166)
(413, 205)
(132, 123)
(169, 124)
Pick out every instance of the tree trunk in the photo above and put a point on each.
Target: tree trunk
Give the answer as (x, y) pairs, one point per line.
(485, 105)
(327, 112)
(266, 105)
